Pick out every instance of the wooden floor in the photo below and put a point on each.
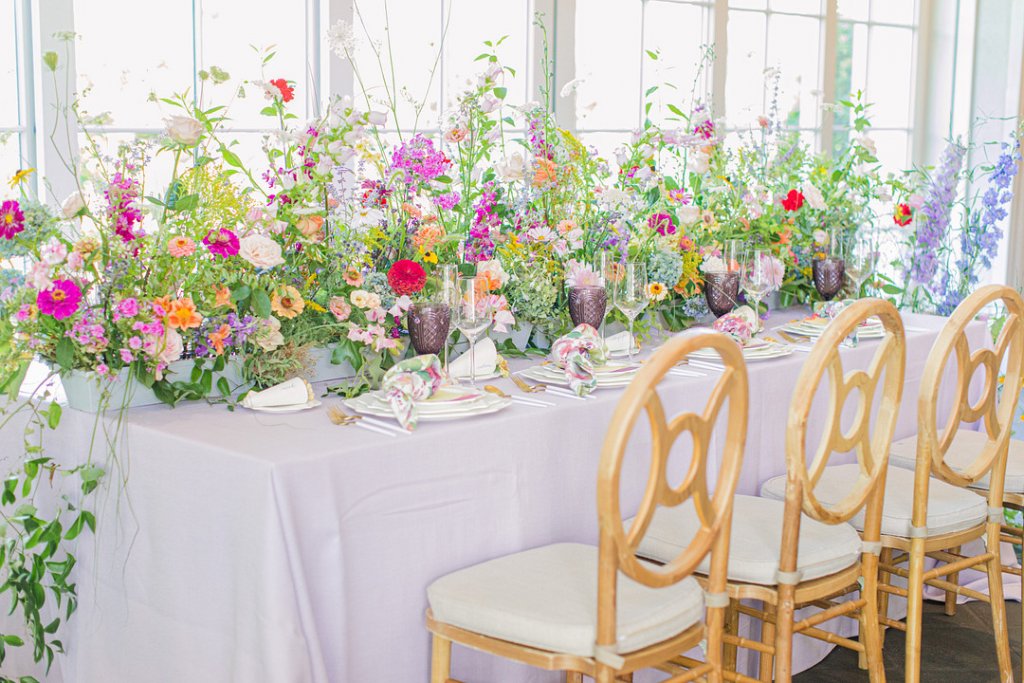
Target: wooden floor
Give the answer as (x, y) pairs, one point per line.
(955, 650)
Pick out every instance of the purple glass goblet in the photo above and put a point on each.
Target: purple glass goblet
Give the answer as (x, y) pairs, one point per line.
(587, 304)
(429, 324)
(828, 274)
(721, 289)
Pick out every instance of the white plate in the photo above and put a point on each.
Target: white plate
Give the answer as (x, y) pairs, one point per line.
(607, 375)
(622, 353)
(287, 409)
(493, 374)
(754, 353)
(815, 330)
(374, 403)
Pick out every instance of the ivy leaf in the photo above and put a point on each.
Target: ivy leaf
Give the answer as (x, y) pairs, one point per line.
(347, 350)
(65, 353)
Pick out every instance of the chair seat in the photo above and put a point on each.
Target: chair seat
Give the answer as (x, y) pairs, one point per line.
(966, 446)
(950, 508)
(756, 541)
(547, 598)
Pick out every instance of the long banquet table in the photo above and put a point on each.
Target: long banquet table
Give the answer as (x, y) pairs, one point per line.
(256, 547)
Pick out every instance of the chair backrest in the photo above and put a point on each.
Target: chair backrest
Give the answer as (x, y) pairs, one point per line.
(994, 411)
(882, 381)
(618, 545)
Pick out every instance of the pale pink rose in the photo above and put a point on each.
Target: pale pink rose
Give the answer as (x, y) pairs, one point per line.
(172, 346)
(53, 252)
(39, 275)
(340, 308)
(260, 251)
(75, 261)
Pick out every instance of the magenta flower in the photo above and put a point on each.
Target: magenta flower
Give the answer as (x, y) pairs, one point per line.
(60, 300)
(12, 220)
(662, 222)
(420, 160)
(223, 242)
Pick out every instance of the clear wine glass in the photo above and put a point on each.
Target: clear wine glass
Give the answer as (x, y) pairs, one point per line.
(861, 262)
(448, 292)
(756, 280)
(630, 294)
(472, 315)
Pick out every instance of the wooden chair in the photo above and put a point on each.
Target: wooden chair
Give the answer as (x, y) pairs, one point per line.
(947, 462)
(798, 551)
(601, 611)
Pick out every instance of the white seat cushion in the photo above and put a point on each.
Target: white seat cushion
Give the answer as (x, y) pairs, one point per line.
(950, 508)
(547, 598)
(756, 541)
(966, 446)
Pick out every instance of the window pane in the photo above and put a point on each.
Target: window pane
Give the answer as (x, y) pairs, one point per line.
(480, 20)
(10, 156)
(856, 10)
(798, 60)
(851, 58)
(411, 76)
(799, 6)
(230, 32)
(608, 60)
(744, 88)
(749, 4)
(146, 60)
(893, 148)
(677, 33)
(893, 11)
(604, 143)
(890, 80)
(9, 66)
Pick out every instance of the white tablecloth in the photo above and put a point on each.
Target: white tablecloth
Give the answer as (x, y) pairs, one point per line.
(252, 547)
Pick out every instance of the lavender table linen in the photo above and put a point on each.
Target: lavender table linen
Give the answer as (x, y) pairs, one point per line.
(283, 548)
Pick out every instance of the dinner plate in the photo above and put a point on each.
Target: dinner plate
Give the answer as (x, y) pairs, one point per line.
(814, 327)
(453, 404)
(622, 353)
(608, 375)
(287, 409)
(493, 374)
(763, 351)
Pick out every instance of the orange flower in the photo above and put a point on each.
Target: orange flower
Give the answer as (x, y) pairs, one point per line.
(182, 314)
(217, 338)
(223, 297)
(353, 277)
(412, 210)
(162, 305)
(428, 236)
(545, 172)
(287, 302)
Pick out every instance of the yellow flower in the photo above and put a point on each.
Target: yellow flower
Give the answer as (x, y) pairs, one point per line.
(657, 291)
(287, 302)
(20, 176)
(430, 257)
(315, 306)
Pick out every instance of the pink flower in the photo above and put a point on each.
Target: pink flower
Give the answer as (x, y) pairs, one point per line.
(376, 315)
(340, 308)
(181, 246)
(76, 260)
(135, 342)
(39, 276)
(126, 356)
(223, 242)
(581, 275)
(61, 301)
(359, 335)
(24, 313)
(12, 220)
(128, 308)
(102, 370)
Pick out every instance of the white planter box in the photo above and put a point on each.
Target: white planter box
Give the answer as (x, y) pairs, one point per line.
(85, 390)
(323, 370)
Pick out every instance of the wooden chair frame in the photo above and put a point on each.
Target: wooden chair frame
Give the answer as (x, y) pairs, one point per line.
(618, 546)
(932, 446)
(780, 601)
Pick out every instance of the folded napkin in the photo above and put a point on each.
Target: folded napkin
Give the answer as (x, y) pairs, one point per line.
(619, 342)
(294, 392)
(831, 309)
(577, 353)
(737, 325)
(411, 380)
(486, 360)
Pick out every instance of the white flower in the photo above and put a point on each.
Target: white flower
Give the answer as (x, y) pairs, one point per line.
(713, 264)
(364, 218)
(260, 251)
(688, 215)
(869, 144)
(53, 252)
(184, 130)
(172, 346)
(489, 103)
(268, 334)
(493, 270)
(813, 196)
(570, 87)
(698, 162)
(73, 205)
(39, 275)
(377, 118)
(512, 168)
(341, 39)
(820, 237)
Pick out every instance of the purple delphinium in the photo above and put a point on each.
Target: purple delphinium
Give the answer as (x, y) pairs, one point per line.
(934, 215)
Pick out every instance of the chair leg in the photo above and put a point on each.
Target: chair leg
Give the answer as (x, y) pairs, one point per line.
(871, 632)
(732, 627)
(995, 591)
(915, 600)
(767, 660)
(573, 677)
(954, 577)
(784, 634)
(884, 579)
(441, 660)
(604, 675)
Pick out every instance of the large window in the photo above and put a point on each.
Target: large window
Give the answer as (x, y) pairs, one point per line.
(16, 128)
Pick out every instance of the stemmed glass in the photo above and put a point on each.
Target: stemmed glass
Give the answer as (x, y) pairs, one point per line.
(757, 279)
(829, 271)
(860, 265)
(472, 315)
(449, 294)
(630, 295)
(604, 265)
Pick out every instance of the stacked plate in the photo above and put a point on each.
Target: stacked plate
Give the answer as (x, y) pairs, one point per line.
(814, 326)
(613, 374)
(757, 349)
(449, 403)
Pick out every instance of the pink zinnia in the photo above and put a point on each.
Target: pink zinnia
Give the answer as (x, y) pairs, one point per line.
(12, 220)
(662, 223)
(61, 300)
(181, 246)
(223, 242)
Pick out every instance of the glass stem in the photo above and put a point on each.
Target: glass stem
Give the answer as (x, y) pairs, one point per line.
(472, 363)
(629, 342)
